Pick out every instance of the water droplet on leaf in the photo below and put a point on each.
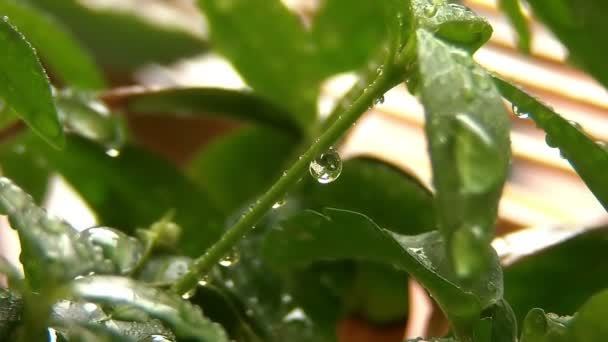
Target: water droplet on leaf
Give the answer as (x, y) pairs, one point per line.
(430, 10)
(278, 204)
(189, 294)
(520, 113)
(229, 259)
(550, 142)
(327, 167)
(118, 248)
(112, 152)
(379, 100)
(157, 338)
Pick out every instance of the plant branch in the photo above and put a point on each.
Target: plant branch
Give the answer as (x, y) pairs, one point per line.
(383, 82)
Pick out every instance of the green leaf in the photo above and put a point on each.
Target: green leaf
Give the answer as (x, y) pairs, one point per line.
(467, 130)
(218, 169)
(587, 157)
(185, 319)
(581, 27)
(572, 264)
(24, 169)
(283, 69)
(338, 234)
(55, 44)
(452, 22)
(51, 252)
(108, 183)
(219, 102)
(123, 41)
(226, 309)
(513, 10)
(24, 86)
(354, 26)
(504, 322)
(589, 324)
(541, 327)
(392, 198)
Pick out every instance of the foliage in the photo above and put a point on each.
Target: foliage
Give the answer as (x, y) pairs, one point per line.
(178, 258)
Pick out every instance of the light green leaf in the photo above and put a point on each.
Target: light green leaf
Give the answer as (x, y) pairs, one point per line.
(513, 10)
(467, 130)
(338, 234)
(588, 158)
(55, 44)
(51, 252)
(24, 86)
(185, 319)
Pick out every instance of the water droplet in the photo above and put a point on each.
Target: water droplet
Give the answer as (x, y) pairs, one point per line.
(379, 100)
(112, 152)
(189, 294)
(380, 70)
(576, 125)
(229, 283)
(519, 113)
(550, 141)
(278, 204)
(286, 298)
(295, 315)
(157, 338)
(229, 259)
(430, 10)
(327, 167)
(121, 250)
(204, 281)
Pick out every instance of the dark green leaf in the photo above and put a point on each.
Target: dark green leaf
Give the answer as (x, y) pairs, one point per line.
(123, 41)
(51, 252)
(238, 167)
(587, 157)
(24, 169)
(514, 12)
(452, 22)
(468, 134)
(277, 59)
(56, 45)
(108, 183)
(504, 322)
(581, 26)
(228, 103)
(185, 319)
(24, 86)
(589, 324)
(225, 308)
(354, 26)
(573, 265)
(339, 234)
(392, 198)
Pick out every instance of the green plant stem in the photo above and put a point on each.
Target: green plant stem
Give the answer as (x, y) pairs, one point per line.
(203, 264)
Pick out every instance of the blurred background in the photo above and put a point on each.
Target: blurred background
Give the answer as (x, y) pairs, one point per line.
(543, 192)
